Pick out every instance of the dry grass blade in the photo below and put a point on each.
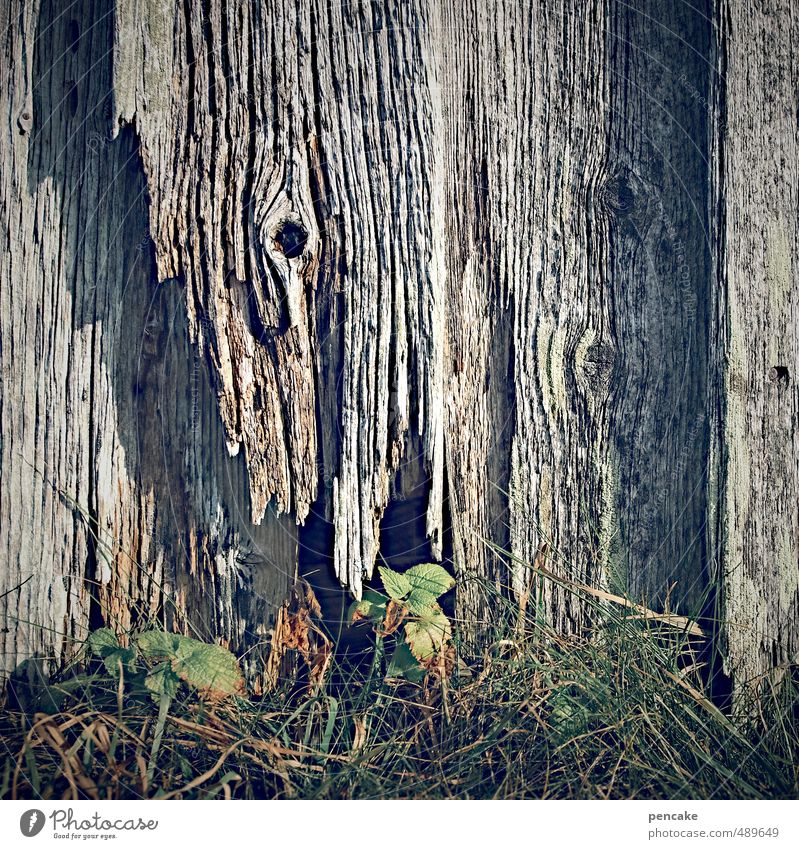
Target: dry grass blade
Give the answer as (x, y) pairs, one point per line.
(206, 776)
(622, 714)
(683, 623)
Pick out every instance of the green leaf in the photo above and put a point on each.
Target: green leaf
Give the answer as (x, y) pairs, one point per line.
(397, 585)
(103, 642)
(162, 681)
(202, 666)
(421, 603)
(207, 667)
(158, 644)
(372, 606)
(427, 635)
(111, 661)
(430, 578)
(404, 665)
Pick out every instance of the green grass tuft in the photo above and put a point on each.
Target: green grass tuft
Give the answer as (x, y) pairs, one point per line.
(619, 714)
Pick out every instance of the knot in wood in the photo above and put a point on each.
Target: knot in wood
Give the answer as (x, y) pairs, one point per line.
(290, 239)
(616, 195)
(597, 365)
(779, 374)
(25, 121)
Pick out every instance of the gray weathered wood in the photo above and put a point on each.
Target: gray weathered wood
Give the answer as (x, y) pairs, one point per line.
(117, 501)
(754, 524)
(266, 259)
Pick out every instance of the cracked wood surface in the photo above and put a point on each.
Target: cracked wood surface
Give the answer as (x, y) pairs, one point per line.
(270, 262)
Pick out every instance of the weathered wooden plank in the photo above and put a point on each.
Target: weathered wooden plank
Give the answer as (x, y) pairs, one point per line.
(325, 113)
(117, 500)
(505, 251)
(655, 196)
(754, 528)
(525, 118)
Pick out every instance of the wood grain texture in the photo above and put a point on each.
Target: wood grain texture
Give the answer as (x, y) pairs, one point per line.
(277, 263)
(117, 501)
(754, 533)
(655, 358)
(525, 117)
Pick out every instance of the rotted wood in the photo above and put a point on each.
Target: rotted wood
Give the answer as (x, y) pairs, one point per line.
(118, 502)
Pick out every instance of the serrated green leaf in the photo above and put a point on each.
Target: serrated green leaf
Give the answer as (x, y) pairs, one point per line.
(111, 661)
(157, 644)
(207, 667)
(396, 584)
(162, 681)
(430, 578)
(428, 634)
(404, 665)
(203, 666)
(421, 603)
(103, 642)
(372, 606)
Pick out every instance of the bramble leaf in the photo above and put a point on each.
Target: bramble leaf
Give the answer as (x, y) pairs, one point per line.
(430, 578)
(421, 603)
(157, 644)
(162, 681)
(103, 642)
(428, 634)
(111, 661)
(404, 665)
(372, 607)
(397, 584)
(207, 667)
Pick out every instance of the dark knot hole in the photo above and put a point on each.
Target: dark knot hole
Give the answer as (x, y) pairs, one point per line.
(779, 374)
(290, 239)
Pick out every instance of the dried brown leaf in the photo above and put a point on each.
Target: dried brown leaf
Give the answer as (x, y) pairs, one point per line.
(295, 629)
(395, 614)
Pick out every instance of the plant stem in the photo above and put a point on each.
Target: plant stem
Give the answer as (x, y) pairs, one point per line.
(163, 710)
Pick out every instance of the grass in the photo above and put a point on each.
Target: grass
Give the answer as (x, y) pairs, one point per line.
(622, 713)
